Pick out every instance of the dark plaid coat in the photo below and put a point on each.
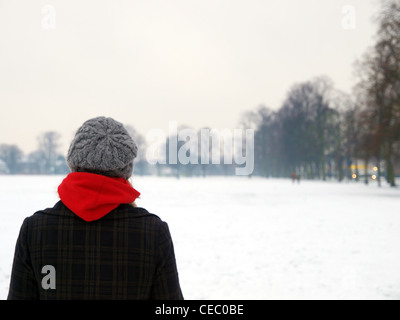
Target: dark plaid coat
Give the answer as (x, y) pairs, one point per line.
(128, 254)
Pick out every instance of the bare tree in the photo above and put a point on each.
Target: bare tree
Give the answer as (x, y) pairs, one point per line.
(11, 156)
(378, 89)
(49, 144)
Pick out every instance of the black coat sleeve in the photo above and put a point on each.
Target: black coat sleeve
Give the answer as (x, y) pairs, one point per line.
(23, 284)
(166, 285)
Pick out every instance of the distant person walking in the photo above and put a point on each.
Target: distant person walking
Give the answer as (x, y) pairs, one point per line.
(295, 177)
(95, 243)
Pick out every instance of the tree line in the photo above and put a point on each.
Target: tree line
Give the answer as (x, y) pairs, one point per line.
(318, 132)
(48, 159)
(45, 160)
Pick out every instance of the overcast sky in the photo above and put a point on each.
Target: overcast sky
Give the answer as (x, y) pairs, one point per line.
(148, 62)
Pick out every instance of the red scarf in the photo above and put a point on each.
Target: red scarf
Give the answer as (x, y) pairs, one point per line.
(92, 196)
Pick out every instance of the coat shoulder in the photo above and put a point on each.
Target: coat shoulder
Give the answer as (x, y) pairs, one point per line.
(124, 211)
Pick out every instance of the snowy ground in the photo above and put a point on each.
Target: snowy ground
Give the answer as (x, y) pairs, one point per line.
(240, 238)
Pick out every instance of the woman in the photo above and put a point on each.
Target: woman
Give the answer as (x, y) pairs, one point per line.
(95, 243)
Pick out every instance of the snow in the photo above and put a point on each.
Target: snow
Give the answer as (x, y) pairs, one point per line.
(241, 238)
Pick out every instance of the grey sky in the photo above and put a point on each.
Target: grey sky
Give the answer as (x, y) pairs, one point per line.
(200, 62)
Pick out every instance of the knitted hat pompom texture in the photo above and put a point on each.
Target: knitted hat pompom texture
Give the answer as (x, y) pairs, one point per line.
(102, 146)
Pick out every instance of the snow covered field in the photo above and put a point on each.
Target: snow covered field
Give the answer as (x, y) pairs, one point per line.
(240, 238)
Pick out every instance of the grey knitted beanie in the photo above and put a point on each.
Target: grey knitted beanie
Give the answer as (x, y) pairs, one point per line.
(103, 146)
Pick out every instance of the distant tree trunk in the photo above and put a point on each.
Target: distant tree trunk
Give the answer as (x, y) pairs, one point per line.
(388, 153)
(366, 171)
(311, 172)
(379, 172)
(357, 172)
(323, 167)
(390, 172)
(339, 168)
